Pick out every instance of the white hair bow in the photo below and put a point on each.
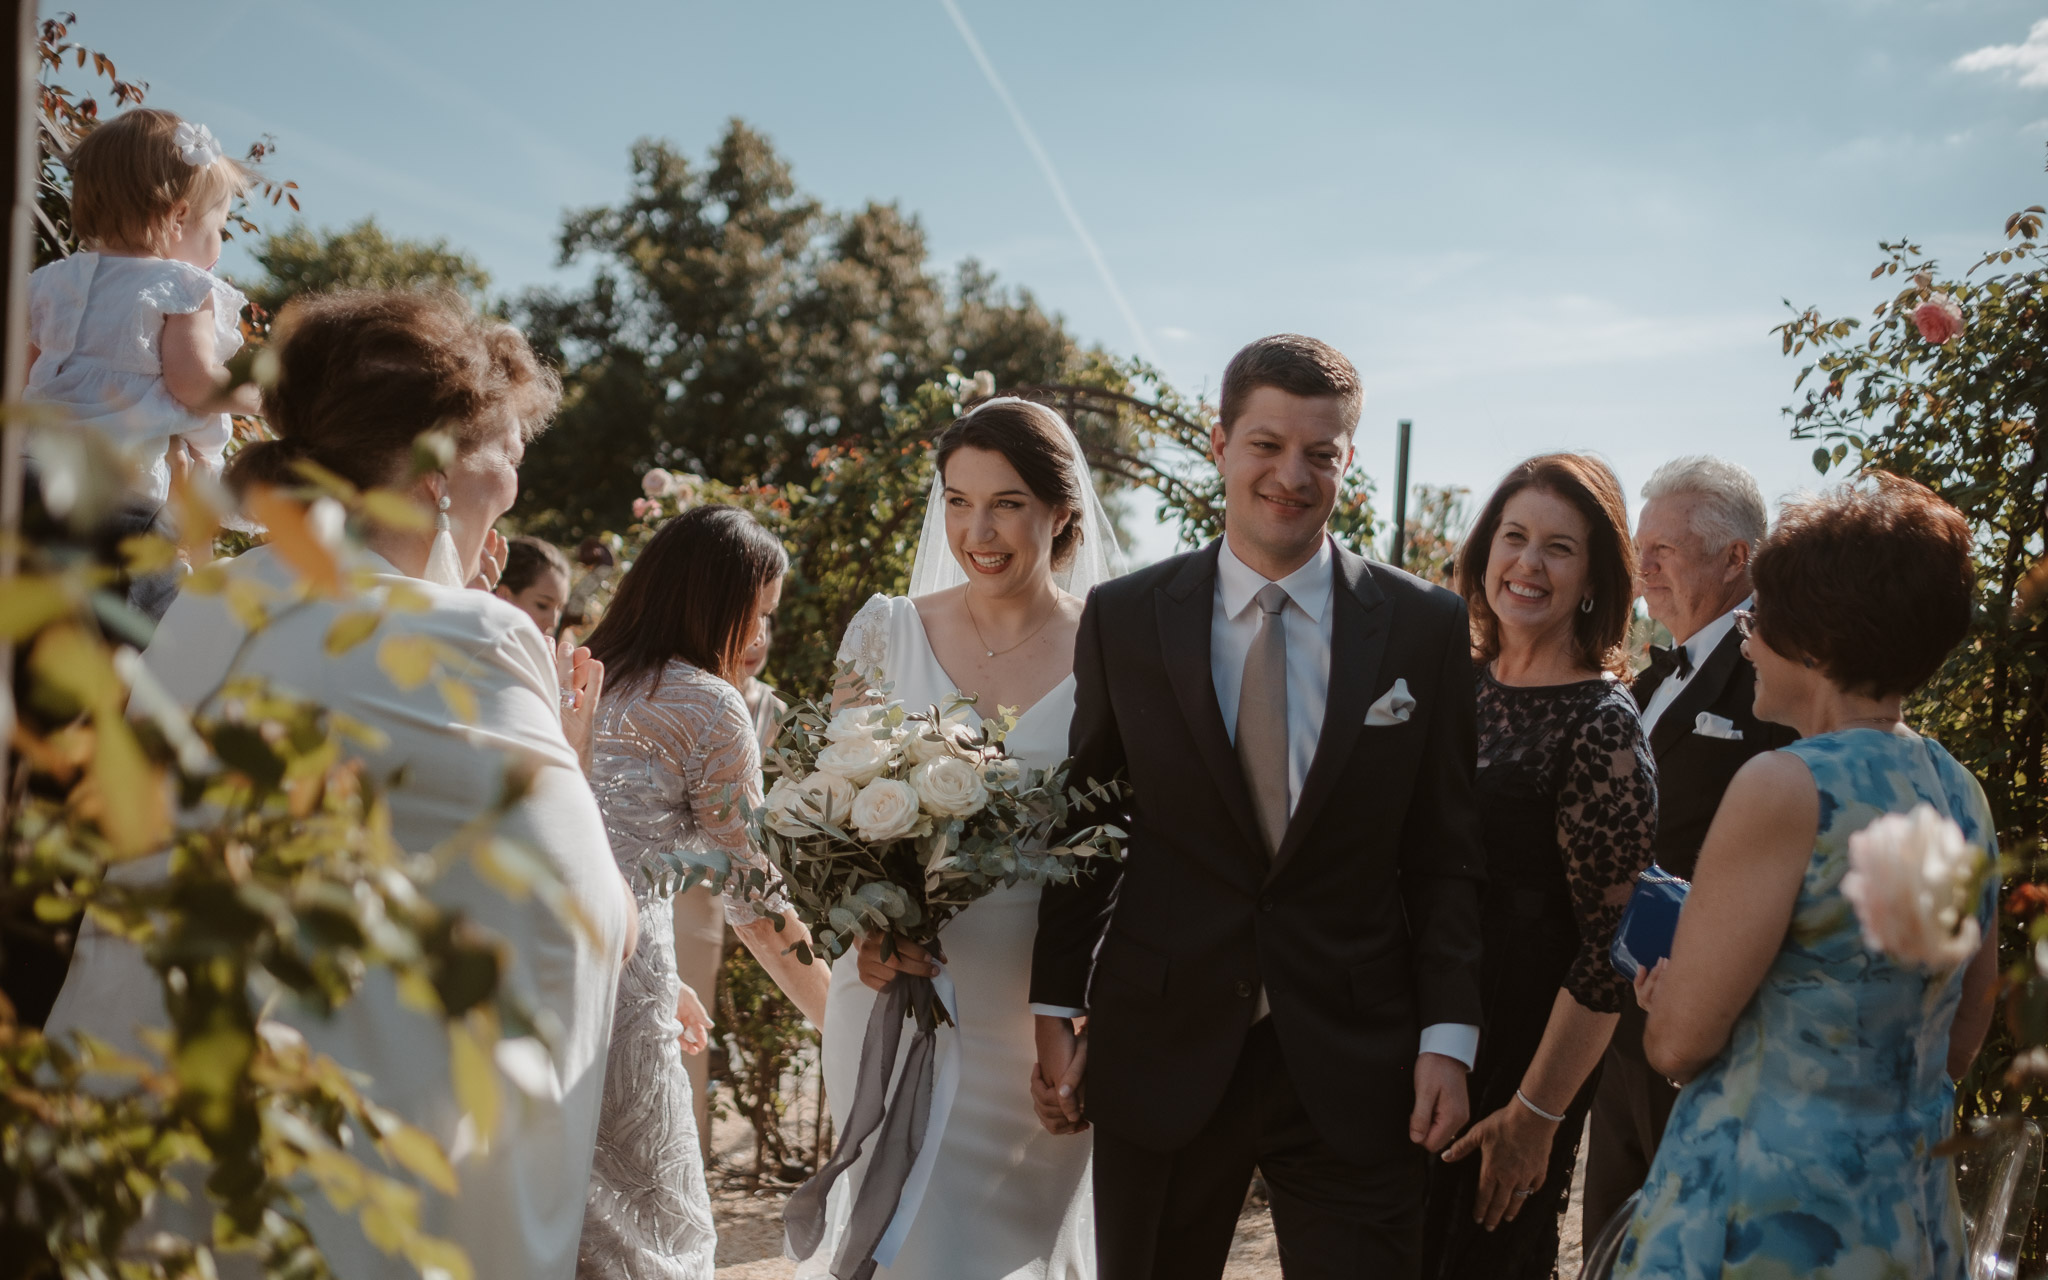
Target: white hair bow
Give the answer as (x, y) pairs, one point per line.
(195, 144)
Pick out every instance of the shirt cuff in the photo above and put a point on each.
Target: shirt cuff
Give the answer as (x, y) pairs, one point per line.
(1058, 1011)
(1453, 1040)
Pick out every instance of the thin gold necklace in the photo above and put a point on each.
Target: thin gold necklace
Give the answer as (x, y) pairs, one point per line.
(987, 652)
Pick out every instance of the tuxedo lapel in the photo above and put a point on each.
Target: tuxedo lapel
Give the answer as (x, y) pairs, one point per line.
(1186, 607)
(1699, 692)
(1358, 641)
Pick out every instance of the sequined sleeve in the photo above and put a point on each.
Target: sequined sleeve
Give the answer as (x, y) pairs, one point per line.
(671, 769)
(1606, 825)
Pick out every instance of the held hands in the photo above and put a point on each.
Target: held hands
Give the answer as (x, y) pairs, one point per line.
(696, 1022)
(1441, 1108)
(909, 958)
(581, 679)
(1056, 1093)
(1514, 1158)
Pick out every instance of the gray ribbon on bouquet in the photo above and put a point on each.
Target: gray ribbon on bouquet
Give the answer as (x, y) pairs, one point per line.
(902, 1120)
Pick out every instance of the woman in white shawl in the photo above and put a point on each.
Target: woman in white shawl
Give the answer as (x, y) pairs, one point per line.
(361, 375)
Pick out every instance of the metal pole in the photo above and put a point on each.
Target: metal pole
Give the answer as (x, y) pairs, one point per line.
(18, 160)
(1401, 498)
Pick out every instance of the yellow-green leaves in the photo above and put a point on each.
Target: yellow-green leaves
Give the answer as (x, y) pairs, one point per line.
(474, 1076)
(407, 659)
(351, 629)
(28, 604)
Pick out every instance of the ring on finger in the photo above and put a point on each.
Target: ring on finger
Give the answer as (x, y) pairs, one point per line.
(1525, 1194)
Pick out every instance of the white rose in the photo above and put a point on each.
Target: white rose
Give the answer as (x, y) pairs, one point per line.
(858, 760)
(1912, 878)
(949, 788)
(822, 797)
(929, 742)
(862, 721)
(657, 483)
(885, 809)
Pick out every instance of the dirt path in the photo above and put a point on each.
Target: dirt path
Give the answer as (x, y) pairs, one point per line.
(750, 1229)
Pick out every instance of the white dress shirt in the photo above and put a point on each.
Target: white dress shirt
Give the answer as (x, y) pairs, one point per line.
(1233, 626)
(1698, 647)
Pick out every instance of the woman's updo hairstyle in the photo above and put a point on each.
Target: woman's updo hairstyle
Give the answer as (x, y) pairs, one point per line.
(361, 374)
(1033, 440)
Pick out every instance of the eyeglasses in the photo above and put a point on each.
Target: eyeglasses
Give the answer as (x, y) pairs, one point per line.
(1745, 623)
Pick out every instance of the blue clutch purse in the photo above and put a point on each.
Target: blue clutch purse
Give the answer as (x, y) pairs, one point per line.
(1648, 922)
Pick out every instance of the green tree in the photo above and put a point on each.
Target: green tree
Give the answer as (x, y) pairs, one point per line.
(299, 260)
(734, 325)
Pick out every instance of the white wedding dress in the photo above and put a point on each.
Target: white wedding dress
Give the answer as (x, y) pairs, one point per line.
(1004, 1199)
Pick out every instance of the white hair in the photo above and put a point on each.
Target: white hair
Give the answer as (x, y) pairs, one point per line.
(1731, 507)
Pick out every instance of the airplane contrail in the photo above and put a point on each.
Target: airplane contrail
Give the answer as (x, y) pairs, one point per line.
(1052, 178)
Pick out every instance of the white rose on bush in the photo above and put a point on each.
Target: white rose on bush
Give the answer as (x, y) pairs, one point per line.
(858, 760)
(1913, 879)
(822, 797)
(885, 809)
(949, 788)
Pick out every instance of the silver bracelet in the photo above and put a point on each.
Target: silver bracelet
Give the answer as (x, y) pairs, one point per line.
(1523, 1098)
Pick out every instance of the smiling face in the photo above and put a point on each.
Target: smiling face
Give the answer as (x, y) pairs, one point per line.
(1000, 532)
(1785, 687)
(482, 485)
(1538, 567)
(542, 600)
(1281, 461)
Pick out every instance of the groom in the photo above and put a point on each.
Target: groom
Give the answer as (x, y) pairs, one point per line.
(1284, 972)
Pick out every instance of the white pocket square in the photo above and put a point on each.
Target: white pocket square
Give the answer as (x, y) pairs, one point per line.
(1709, 725)
(1394, 706)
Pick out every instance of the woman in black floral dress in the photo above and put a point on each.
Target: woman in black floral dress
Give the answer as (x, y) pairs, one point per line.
(1568, 795)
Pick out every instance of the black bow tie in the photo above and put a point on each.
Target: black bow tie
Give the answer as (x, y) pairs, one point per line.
(1677, 658)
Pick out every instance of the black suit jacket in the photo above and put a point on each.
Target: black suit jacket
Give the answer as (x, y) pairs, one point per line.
(1363, 927)
(1694, 769)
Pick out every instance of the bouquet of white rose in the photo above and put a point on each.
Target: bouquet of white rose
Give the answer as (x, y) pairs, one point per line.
(895, 819)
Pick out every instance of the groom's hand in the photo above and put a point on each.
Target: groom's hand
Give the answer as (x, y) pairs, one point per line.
(1441, 1108)
(1056, 1083)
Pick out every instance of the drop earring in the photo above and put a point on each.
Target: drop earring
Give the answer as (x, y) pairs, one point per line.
(444, 568)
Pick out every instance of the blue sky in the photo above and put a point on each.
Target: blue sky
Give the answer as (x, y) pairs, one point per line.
(1533, 227)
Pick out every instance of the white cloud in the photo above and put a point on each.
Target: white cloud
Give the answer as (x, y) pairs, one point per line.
(2028, 58)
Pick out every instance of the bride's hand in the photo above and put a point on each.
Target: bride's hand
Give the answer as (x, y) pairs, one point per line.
(696, 1022)
(909, 958)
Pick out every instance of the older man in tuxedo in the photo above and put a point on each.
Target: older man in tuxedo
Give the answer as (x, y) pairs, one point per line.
(1701, 521)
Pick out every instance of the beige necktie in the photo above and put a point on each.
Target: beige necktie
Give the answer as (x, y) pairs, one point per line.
(1262, 717)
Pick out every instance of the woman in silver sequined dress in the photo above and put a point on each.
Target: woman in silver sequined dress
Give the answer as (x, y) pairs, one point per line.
(675, 749)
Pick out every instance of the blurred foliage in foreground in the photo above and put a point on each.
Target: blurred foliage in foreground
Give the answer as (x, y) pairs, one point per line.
(248, 854)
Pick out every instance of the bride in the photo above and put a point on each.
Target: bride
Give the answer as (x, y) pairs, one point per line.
(1013, 539)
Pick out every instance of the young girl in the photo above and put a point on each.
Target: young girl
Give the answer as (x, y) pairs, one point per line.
(536, 578)
(130, 335)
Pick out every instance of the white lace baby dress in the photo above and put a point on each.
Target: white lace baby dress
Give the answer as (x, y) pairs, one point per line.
(97, 322)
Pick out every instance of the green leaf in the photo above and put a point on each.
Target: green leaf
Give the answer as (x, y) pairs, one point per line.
(351, 629)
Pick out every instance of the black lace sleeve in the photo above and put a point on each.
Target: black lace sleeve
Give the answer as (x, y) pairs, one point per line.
(1606, 825)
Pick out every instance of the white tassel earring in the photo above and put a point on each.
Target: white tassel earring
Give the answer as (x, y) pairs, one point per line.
(443, 566)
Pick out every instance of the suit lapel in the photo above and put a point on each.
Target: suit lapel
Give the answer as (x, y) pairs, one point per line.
(1186, 608)
(1358, 641)
(1699, 692)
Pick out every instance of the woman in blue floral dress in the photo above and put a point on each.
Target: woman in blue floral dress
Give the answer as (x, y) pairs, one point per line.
(1818, 1075)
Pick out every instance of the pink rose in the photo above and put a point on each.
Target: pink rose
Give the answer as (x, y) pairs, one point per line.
(657, 483)
(644, 507)
(1939, 319)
